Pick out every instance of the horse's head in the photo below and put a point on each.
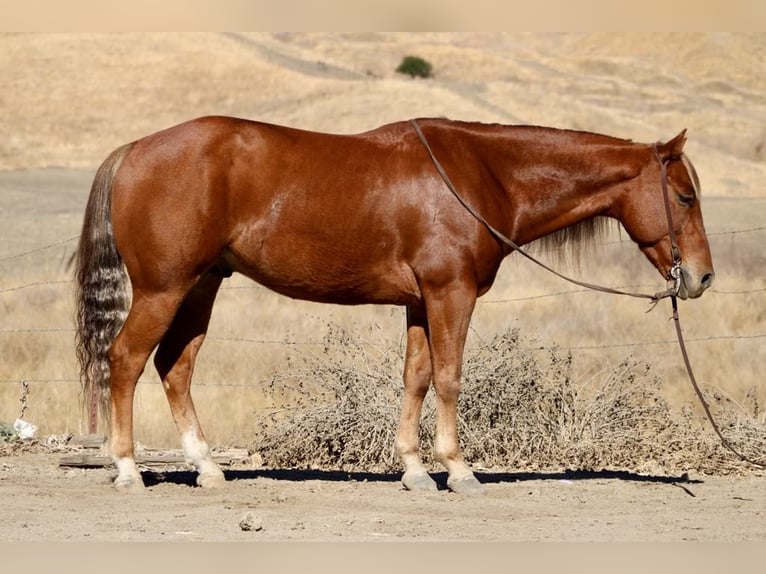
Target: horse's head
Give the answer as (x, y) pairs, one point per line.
(645, 218)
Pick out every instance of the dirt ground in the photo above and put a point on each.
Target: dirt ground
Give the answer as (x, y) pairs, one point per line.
(43, 501)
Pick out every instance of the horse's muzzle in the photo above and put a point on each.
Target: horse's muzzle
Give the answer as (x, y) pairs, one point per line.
(694, 284)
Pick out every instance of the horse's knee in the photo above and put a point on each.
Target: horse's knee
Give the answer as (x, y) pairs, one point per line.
(447, 388)
(417, 377)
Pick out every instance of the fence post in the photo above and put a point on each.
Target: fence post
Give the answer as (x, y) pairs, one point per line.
(93, 409)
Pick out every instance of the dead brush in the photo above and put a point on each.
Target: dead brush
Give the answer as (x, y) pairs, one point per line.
(337, 408)
(521, 407)
(742, 423)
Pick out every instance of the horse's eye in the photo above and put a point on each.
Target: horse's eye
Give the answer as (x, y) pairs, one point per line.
(687, 200)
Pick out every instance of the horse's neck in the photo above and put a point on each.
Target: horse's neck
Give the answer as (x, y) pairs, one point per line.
(561, 178)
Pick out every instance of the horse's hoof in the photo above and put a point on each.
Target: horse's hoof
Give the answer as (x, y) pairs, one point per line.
(131, 485)
(466, 484)
(211, 480)
(420, 482)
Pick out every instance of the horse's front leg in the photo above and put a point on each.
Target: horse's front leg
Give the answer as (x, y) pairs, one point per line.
(417, 379)
(449, 314)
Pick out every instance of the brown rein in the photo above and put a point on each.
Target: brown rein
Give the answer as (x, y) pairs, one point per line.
(674, 275)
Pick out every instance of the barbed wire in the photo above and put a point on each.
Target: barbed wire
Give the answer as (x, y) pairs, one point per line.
(251, 384)
(736, 231)
(41, 330)
(38, 249)
(637, 286)
(320, 342)
(36, 284)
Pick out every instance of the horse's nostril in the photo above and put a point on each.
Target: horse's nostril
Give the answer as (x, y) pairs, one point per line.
(707, 280)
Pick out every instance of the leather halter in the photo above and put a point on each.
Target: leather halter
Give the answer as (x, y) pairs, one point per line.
(675, 270)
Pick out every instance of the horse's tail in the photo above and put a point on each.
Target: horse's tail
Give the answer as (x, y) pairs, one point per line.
(101, 290)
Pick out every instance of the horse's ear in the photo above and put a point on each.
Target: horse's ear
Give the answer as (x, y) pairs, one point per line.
(673, 148)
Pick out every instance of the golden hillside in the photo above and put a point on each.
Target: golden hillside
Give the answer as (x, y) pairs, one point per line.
(68, 99)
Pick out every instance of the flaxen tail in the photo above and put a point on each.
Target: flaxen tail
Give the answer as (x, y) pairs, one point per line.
(102, 295)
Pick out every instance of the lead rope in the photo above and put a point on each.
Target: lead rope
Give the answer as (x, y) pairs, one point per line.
(674, 275)
(675, 272)
(698, 391)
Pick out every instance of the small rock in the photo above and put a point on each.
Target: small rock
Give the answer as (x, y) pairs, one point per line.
(250, 523)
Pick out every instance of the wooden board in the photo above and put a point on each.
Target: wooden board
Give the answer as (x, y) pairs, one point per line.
(87, 459)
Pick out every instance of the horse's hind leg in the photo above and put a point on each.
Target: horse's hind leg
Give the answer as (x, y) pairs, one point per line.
(175, 362)
(149, 317)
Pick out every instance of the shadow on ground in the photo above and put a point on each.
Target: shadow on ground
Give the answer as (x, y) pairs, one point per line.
(152, 477)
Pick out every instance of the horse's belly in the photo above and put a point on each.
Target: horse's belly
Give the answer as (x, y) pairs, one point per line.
(324, 273)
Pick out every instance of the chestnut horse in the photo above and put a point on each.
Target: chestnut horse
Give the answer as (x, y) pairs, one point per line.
(345, 219)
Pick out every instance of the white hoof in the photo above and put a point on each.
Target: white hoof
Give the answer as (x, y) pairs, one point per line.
(419, 482)
(211, 480)
(466, 484)
(129, 485)
(128, 477)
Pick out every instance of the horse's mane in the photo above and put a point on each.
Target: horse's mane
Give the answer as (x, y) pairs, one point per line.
(568, 245)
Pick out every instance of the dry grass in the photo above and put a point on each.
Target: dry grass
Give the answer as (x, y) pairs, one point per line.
(518, 409)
